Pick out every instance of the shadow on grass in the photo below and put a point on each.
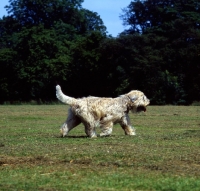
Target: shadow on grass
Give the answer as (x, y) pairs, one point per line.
(84, 136)
(72, 136)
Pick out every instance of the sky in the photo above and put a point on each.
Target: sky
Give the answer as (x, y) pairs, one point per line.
(109, 11)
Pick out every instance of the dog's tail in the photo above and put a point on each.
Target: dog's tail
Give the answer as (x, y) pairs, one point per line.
(64, 98)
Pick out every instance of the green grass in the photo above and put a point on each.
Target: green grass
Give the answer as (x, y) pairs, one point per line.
(164, 155)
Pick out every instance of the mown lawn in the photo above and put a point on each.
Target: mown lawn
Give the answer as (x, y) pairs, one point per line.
(164, 155)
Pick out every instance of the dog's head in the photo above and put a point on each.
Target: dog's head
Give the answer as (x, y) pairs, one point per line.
(137, 101)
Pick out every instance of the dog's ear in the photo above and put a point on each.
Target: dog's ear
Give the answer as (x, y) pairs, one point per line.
(134, 98)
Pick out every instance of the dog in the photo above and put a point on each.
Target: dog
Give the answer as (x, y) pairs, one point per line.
(101, 111)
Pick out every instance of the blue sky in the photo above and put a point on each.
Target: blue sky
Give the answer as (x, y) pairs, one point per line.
(109, 11)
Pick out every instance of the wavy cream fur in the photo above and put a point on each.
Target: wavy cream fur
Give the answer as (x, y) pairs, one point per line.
(102, 112)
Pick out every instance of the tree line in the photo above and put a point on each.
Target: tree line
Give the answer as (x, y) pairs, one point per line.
(44, 43)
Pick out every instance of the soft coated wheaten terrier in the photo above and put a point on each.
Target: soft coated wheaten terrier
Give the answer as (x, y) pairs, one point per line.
(102, 112)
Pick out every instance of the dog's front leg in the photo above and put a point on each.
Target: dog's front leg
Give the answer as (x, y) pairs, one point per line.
(126, 126)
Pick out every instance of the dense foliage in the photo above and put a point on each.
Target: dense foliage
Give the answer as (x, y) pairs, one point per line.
(57, 41)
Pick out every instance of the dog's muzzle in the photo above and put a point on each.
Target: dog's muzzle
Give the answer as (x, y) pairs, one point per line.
(143, 107)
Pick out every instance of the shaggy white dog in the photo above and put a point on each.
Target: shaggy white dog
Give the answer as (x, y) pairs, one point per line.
(102, 112)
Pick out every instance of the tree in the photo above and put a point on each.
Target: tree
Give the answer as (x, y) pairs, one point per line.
(7, 57)
(142, 15)
(35, 12)
(85, 78)
(47, 12)
(177, 24)
(91, 22)
(37, 40)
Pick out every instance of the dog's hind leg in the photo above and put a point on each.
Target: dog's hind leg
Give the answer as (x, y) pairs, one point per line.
(106, 129)
(126, 126)
(71, 122)
(90, 130)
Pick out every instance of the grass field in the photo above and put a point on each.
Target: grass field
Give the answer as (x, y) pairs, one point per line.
(164, 155)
